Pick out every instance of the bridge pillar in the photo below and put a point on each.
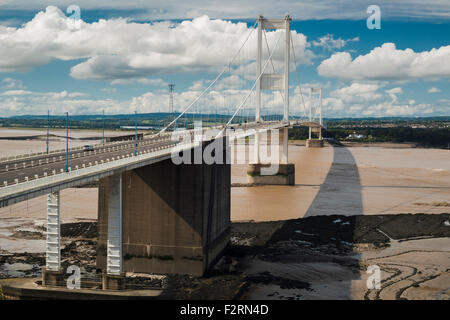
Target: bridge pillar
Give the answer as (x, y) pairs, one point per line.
(113, 278)
(284, 148)
(52, 274)
(315, 143)
(176, 218)
(271, 170)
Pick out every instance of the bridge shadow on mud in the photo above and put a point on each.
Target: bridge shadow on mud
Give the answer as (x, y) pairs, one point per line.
(340, 192)
(327, 232)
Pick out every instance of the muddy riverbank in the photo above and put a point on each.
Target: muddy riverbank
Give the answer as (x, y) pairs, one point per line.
(319, 257)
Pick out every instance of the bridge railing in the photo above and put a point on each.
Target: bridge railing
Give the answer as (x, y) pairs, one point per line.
(89, 165)
(72, 149)
(89, 168)
(27, 156)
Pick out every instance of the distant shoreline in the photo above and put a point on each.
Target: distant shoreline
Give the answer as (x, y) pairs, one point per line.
(396, 145)
(349, 144)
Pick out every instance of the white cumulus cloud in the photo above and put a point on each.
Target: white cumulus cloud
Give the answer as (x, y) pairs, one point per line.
(394, 92)
(388, 62)
(117, 49)
(357, 92)
(328, 42)
(369, 100)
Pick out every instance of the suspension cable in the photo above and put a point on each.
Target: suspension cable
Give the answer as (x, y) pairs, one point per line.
(298, 77)
(271, 61)
(210, 85)
(251, 90)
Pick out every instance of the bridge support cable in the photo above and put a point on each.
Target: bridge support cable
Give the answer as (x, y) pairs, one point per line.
(271, 61)
(224, 70)
(298, 78)
(239, 107)
(317, 106)
(286, 68)
(258, 70)
(273, 81)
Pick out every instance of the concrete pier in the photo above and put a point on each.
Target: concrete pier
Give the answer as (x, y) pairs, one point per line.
(284, 176)
(52, 278)
(314, 143)
(283, 173)
(113, 281)
(175, 218)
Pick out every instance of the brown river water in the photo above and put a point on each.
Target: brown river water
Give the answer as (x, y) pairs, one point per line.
(329, 180)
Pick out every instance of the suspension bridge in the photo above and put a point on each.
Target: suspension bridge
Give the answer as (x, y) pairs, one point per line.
(150, 207)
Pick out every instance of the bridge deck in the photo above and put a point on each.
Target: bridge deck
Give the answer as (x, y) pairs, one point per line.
(38, 175)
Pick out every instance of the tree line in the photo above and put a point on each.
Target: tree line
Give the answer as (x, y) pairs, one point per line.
(436, 137)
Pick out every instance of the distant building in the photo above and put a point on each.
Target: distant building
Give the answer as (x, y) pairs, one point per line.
(355, 136)
(128, 137)
(139, 127)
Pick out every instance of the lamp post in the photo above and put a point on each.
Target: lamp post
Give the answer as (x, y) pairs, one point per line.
(135, 133)
(48, 126)
(158, 121)
(103, 127)
(67, 141)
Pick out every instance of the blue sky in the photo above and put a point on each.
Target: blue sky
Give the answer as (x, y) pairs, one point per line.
(121, 56)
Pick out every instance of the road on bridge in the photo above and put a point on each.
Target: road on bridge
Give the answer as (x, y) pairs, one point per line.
(48, 164)
(38, 166)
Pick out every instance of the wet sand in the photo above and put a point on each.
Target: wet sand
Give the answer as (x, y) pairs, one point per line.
(330, 255)
(352, 182)
(32, 214)
(318, 257)
(76, 204)
(413, 270)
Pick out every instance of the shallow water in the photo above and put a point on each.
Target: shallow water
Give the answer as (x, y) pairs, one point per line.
(16, 270)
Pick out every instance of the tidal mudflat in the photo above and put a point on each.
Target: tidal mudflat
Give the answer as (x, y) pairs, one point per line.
(350, 208)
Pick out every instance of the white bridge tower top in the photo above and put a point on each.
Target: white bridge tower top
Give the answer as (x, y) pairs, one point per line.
(272, 81)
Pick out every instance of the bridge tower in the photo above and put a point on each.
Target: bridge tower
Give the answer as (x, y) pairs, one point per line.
(315, 110)
(272, 81)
